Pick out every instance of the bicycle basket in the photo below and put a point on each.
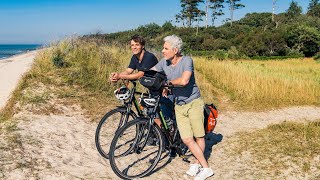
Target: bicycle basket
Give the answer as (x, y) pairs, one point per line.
(152, 80)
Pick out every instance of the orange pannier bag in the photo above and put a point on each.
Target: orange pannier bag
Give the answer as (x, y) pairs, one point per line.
(210, 117)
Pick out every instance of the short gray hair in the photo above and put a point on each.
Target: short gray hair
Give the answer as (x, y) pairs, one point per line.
(175, 42)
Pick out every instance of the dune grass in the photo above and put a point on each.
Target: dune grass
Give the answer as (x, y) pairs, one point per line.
(85, 62)
(281, 146)
(76, 69)
(261, 84)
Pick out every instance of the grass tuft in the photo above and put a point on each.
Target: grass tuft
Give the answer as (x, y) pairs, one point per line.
(281, 146)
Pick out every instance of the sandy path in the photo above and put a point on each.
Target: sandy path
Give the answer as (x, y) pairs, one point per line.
(11, 70)
(62, 146)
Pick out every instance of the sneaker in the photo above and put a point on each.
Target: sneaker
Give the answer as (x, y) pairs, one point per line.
(204, 174)
(194, 169)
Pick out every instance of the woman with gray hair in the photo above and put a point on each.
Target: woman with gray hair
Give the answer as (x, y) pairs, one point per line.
(189, 104)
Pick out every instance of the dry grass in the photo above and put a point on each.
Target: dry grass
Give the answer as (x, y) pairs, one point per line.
(261, 84)
(82, 79)
(281, 146)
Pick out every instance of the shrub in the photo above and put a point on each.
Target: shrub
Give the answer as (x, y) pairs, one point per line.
(233, 53)
(57, 59)
(221, 55)
(317, 56)
(295, 53)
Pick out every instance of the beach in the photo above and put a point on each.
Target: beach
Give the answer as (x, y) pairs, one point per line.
(11, 70)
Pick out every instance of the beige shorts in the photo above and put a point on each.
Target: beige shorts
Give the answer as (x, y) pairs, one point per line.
(190, 119)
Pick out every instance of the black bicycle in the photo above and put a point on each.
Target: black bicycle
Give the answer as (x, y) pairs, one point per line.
(117, 117)
(137, 146)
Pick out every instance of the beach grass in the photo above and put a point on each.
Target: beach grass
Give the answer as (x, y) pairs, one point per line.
(264, 84)
(76, 69)
(280, 146)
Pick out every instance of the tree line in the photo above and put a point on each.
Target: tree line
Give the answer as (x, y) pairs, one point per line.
(191, 12)
(267, 34)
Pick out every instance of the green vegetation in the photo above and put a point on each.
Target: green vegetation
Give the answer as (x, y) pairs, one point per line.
(281, 146)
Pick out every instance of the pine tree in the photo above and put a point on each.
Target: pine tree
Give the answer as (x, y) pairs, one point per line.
(313, 3)
(216, 6)
(234, 5)
(294, 9)
(314, 8)
(190, 12)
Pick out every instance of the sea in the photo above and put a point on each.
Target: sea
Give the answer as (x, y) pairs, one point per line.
(7, 50)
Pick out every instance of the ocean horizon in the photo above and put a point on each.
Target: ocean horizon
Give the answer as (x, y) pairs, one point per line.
(7, 50)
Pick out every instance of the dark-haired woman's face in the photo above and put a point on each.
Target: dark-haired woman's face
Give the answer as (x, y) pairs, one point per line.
(136, 47)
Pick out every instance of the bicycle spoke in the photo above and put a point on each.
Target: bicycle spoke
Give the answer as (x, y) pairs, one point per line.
(107, 128)
(131, 155)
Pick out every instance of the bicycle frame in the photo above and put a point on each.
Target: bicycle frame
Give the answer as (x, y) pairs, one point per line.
(172, 139)
(132, 100)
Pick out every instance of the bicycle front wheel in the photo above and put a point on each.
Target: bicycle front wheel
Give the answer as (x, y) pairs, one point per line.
(108, 126)
(128, 158)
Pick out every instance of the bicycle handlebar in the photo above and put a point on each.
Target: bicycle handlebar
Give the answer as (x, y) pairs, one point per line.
(171, 86)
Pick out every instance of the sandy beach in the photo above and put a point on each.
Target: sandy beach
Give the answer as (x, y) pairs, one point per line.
(11, 70)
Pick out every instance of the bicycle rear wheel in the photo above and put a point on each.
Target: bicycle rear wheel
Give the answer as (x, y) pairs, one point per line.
(127, 159)
(107, 128)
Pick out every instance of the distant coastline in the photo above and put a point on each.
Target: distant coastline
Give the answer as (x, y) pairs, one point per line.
(9, 50)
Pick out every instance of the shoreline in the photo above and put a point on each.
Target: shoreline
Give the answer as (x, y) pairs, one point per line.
(11, 71)
(17, 55)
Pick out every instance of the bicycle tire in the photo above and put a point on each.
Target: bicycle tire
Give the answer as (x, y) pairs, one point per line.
(107, 128)
(123, 165)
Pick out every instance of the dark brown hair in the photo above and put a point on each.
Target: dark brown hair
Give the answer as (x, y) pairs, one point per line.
(139, 39)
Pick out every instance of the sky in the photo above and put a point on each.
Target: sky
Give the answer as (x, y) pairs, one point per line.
(45, 21)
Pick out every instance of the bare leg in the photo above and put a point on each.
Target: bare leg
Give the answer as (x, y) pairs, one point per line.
(201, 143)
(197, 150)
